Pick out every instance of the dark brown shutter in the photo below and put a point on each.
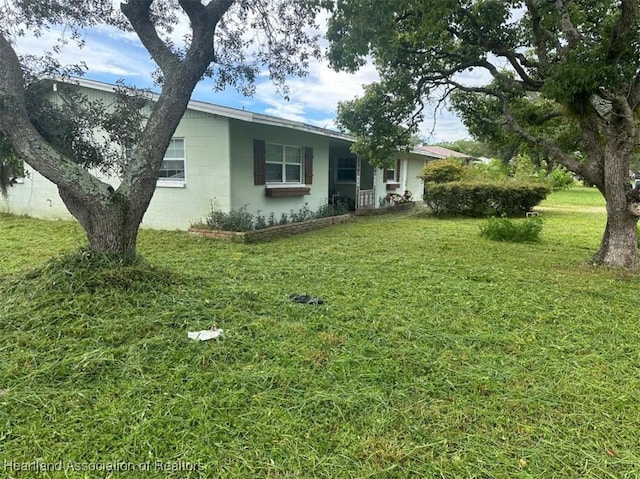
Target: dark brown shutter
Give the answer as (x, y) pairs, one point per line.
(308, 165)
(259, 162)
(398, 170)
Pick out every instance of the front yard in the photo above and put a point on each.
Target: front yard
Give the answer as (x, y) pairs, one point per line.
(436, 353)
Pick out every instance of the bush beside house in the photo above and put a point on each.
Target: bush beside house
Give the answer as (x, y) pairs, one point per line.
(478, 191)
(483, 199)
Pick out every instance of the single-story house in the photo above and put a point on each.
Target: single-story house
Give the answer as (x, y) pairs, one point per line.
(225, 158)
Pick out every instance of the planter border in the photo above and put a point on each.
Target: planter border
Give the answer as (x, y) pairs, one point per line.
(271, 232)
(278, 231)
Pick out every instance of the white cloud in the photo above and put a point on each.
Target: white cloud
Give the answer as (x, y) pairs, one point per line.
(290, 110)
(317, 94)
(111, 53)
(442, 126)
(102, 53)
(314, 100)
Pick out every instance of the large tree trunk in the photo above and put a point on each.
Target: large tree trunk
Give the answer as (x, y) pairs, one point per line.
(111, 227)
(619, 246)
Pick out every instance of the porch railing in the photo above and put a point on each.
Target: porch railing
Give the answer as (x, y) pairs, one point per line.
(366, 199)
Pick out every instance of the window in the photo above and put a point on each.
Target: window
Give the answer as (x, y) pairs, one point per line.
(346, 170)
(392, 175)
(173, 166)
(283, 163)
(281, 168)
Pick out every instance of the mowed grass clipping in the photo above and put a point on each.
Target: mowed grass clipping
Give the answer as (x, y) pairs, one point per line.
(436, 353)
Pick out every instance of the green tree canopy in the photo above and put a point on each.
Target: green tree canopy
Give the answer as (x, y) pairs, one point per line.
(564, 76)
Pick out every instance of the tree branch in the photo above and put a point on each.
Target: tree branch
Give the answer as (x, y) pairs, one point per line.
(586, 170)
(518, 61)
(540, 35)
(204, 20)
(569, 29)
(625, 22)
(25, 139)
(138, 14)
(515, 61)
(217, 8)
(181, 76)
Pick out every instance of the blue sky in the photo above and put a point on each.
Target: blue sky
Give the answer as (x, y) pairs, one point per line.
(111, 55)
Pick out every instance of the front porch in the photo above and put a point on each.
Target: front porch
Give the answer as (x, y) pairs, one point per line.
(352, 181)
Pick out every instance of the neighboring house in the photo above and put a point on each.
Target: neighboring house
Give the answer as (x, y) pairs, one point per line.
(224, 158)
(441, 152)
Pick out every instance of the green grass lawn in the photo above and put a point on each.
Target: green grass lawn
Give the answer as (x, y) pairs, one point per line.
(437, 354)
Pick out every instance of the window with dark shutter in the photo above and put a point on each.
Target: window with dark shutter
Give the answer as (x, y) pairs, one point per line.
(308, 165)
(282, 168)
(259, 162)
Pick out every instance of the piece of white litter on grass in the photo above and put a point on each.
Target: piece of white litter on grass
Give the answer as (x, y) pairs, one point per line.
(205, 334)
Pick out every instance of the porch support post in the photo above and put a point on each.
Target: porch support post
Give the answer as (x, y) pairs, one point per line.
(358, 170)
(375, 180)
(404, 173)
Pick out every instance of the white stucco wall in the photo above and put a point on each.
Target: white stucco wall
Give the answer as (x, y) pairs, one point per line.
(34, 196)
(207, 174)
(207, 179)
(414, 184)
(411, 164)
(243, 190)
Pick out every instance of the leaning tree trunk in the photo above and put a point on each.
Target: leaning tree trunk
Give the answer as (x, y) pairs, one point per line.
(111, 218)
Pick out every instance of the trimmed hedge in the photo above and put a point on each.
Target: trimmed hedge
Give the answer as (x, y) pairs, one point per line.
(483, 199)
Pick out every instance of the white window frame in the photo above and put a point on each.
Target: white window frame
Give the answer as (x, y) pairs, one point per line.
(395, 175)
(283, 164)
(175, 182)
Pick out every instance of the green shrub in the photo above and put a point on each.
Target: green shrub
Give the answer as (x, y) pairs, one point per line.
(241, 220)
(521, 231)
(331, 210)
(495, 170)
(483, 199)
(559, 178)
(303, 214)
(442, 171)
(234, 220)
(260, 221)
